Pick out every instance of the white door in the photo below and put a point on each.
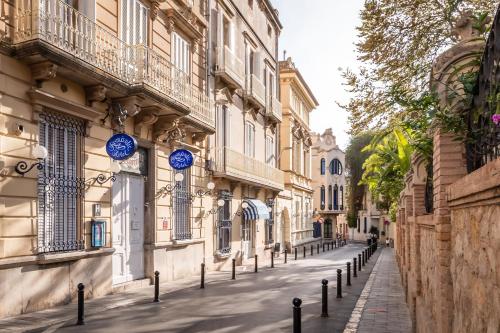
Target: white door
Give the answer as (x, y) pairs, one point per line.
(128, 228)
(246, 238)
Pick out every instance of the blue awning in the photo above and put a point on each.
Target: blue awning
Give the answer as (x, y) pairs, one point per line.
(256, 210)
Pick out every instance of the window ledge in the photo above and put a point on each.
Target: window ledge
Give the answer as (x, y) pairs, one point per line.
(222, 255)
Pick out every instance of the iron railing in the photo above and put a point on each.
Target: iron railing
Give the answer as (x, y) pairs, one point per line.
(483, 141)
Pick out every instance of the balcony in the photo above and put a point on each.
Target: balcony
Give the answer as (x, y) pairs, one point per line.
(230, 68)
(235, 165)
(52, 29)
(298, 181)
(273, 109)
(255, 92)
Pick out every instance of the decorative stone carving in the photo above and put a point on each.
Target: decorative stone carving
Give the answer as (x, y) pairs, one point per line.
(43, 71)
(118, 115)
(155, 8)
(147, 117)
(464, 27)
(95, 94)
(223, 96)
(169, 129)
(131, 104)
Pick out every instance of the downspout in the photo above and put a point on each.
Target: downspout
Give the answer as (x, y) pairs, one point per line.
(208, 56)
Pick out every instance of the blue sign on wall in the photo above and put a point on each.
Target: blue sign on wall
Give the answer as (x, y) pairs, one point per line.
(121, 146)
(181, 159)
(98, 233)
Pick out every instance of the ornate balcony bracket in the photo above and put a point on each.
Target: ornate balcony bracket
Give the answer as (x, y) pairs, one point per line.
(169, 129)
(185, 21)
(155, 8)
(95, 94)
(43, 71)
(147, 117)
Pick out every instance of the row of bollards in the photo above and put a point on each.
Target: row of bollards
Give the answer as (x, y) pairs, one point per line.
(361, 260)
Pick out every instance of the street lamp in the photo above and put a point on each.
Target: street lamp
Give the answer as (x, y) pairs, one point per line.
(243, 206)
(169, 188)
(220, 204)
(40, 153)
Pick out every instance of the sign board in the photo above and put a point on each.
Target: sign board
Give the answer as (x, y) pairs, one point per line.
(98, 233)
(181, 159)
(121, 146)
(137, 163)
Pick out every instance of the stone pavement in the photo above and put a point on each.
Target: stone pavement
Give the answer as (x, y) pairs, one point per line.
(381, 308)
(252, 303)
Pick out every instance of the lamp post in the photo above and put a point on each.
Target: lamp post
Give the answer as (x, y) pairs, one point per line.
(40, 153)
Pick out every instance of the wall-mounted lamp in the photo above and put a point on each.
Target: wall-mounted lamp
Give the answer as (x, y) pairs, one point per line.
(243, 207)
(201, 193)
(220, 204)
(101, 178)
(169, 188)
(40, 153)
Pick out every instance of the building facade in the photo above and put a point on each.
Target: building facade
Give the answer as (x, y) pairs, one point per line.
(295, 202)
(329, 184)
(74, 73)
(248, 113)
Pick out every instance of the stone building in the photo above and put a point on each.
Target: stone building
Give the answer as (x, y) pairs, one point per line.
(73, 73)
(329, 184)
(295, 206)
(243, 152)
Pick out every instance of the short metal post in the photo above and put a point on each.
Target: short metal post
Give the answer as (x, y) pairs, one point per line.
(81, 296)
(335, 243)
(339, 283)
(157, 287)
(348, 273)
(233, 273)
(324, 298)
(295, 250)
(363, 256)
(355, 267)
(304, 255)
(317, 248)
(256, 269)
(323, 247)
(312, 250)
(272, 259)
(359, 262)
(202, 283)
(297, 325)
(328, 246)
(285, 254)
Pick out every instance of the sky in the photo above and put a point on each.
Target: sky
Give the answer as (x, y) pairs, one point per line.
(319, 35)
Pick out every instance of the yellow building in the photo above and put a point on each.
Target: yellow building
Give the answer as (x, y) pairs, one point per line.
(73, 73)
(295, 205)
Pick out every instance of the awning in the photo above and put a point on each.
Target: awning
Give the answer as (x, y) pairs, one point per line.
(256, 210)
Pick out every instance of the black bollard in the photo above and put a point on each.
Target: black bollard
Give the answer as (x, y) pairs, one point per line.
(317, 248)
(81, 296)
(328, 246)
(312, 250)
(297, 325)
(335, 243)
(202, 283)
(324, 298)
(359, 262)
(272, 259)
(363, 257)
(304, 255)
(355, 267)
(256, 269)
(157, 287)
(339, 283)
(233, 273)
(295, 250)
(285, 255)
(323, 247)
(348, 273)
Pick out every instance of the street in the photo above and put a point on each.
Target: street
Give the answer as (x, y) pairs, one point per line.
(253, 303)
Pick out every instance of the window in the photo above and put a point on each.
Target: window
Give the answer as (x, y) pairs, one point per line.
(322, 197)
(249, 139)
(222, 125)
(270, 151)
(323, 166)
(336, 197)
(228, 33)
(134, 22)
(224, 224)
(180, 56)
(359, 225)
(330, 197)
(335, 167)
(60, 186)
(269, 30)
(341, 197)
(364, 227)
(269, 237)
(182, 205)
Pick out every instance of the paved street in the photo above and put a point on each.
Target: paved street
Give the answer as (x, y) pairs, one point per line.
(253, 303)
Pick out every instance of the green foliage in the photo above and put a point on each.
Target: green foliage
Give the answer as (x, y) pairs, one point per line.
(352, 220)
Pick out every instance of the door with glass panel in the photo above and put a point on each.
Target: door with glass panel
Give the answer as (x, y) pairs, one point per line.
(134, 33)
(246, 238)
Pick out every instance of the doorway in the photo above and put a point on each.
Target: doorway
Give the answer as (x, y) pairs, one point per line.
(247, 238)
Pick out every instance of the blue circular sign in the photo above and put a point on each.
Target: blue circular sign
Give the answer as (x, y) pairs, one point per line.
(121, 146)
(181, 159)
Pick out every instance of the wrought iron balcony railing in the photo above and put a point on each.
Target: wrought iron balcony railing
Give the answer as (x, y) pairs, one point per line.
(237, 165)
(67, 29)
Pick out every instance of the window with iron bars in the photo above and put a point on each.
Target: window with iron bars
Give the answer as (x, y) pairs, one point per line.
(269, 236)
(224, 224)
(60, 185)
(182, 207)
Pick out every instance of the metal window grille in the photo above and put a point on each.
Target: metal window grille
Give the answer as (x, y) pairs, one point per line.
(269, 236)
(224, 225)
(182, 207)
(60, 187)
(429, 190)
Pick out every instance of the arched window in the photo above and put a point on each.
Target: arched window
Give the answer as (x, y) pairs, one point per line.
(341, 197)
(335, 167)
(329, 197)
(323, 166)
(335, 197)
(322, 198)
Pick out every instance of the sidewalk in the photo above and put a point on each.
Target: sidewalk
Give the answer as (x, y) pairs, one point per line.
(381, 308)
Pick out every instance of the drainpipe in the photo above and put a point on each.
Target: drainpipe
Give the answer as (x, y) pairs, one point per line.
(208, 57)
